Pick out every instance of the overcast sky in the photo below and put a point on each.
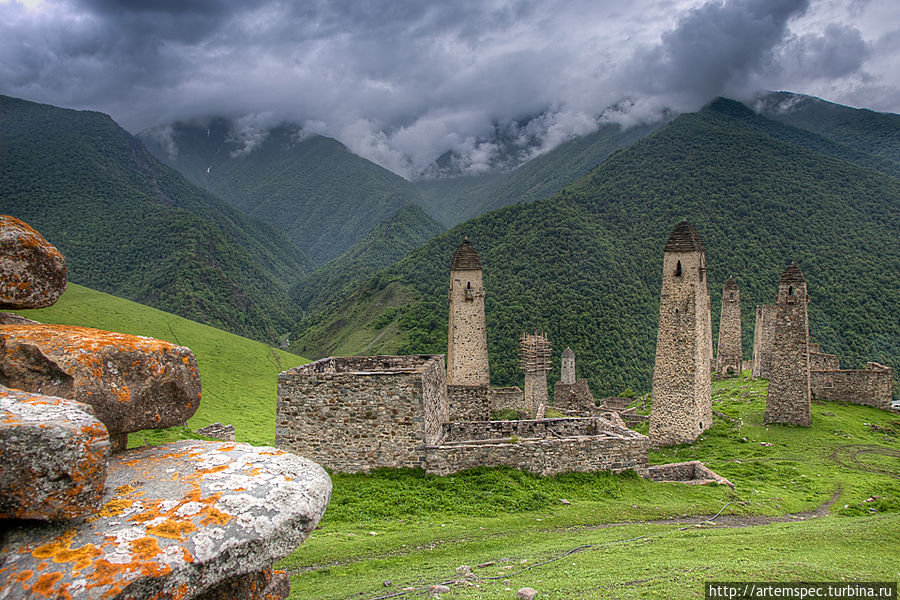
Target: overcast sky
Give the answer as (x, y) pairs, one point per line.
(401, 82)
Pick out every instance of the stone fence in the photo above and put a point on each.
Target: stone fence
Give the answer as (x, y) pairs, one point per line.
(872, 386)
(565, 427)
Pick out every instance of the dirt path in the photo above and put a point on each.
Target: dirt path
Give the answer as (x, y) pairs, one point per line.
(848, 456)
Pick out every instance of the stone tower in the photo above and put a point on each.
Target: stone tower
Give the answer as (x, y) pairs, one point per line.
(730, 350)
(467, 355)
(789, 389)
(682, 396)
(534, 352)
(763, 332)
(567, 369)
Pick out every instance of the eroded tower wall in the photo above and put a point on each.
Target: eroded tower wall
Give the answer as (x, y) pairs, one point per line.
(789, 384)
(763, 334)
(730, 351)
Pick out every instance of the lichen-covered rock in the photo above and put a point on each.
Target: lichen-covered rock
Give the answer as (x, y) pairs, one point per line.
(14, 319)
(262, 585)
(132, 382)
(32, 271)
(177, 520)
(53, 456)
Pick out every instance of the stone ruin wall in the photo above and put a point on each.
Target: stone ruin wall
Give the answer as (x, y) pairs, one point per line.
(506, 398)
(545, 456)
(682, 395)
(531, 428)
(763, 336)
(535, 391)
(870, 387)
(358, 413)
(573, 397)
(730, 350)
(467, 353)
(819, 361)
(468, 403)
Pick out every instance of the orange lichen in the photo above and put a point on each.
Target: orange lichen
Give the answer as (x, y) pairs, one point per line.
(172, 529)
(45, 584)
(145, 548)
(24, 576)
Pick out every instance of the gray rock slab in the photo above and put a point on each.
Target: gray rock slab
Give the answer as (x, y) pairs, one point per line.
(53, 455)
(133, 382)
(177, 520)
(32, 270)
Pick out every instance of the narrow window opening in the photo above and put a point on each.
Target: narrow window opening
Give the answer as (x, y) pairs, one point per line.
(678, 269)
(790, 290)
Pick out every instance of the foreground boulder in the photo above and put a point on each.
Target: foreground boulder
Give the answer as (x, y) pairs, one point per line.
(32, 271)
(132, 382)
(53, 455)
(177, 520)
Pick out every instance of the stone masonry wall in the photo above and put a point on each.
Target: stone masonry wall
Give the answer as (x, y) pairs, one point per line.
(538, 428)
(544, 457)
(819, 361)
(573, 396)
(730, 348)
(347, 415)
(869, 387)
(467, 355)
(507, 398)
(682, 395)
(763, 335)
(535, 391)
(789, 399)
(468, 403)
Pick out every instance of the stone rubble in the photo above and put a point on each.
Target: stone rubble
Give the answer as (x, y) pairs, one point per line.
(32, 271)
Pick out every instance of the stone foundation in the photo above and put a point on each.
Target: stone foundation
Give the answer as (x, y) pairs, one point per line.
(692, 473)
(870, 387)
(573, 396)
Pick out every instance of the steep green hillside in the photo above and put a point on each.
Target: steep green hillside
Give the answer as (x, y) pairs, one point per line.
(324, 197)
(239, 376)
(457, 199)
(585, 264)
(385, 244)
(129, 225)
(863, 130)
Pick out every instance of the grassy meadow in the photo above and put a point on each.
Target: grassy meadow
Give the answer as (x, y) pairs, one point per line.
(816, 504)
(239, 375)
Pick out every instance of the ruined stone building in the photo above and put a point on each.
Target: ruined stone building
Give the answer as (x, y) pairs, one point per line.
(682, 395)
(730, 354)
(468, 373)
(569, 394)
(789, 386)
(872, 386)
(358, 413)
(763, 331)
(534, 354)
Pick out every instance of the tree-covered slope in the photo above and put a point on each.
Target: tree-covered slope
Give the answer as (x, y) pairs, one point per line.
(384, 245)
(324, 197)
(453, 200)
(585, 264)
(131, 226)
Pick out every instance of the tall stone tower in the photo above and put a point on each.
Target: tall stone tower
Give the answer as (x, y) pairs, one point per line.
(763, 332)
(682, 395)
(730, 350)
(534, 352)
(567, 369)
(467, 355)
(789, 389)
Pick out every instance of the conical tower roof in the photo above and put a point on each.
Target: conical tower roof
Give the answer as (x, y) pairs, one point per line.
(792, 274)
(568, 353)
(465, 258)
(731, 284)
(684, 238)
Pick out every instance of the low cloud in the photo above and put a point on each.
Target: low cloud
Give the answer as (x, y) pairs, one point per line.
(403, 83)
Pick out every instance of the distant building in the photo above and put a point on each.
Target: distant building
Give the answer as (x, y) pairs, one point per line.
(730, 351)
(763, 333)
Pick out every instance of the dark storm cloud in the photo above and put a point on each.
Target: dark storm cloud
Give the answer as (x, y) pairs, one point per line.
(403, 82)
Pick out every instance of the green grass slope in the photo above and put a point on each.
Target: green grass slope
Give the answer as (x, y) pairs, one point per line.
(453, 200)
(585, 265)
(324, 197)
(131, 226)
(807, 503)
(239, 375)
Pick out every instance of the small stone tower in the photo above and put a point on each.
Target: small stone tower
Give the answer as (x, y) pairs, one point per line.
(567, 369)
(682, 395)
(789, 386)
(730, 350)
(534, 352)
(763, 332)
(467, 355)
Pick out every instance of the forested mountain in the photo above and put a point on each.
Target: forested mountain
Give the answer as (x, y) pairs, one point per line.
(131, 226)
(584, 265)
(861, 129)
(453, 200)
(324, 197)
(388, 242)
